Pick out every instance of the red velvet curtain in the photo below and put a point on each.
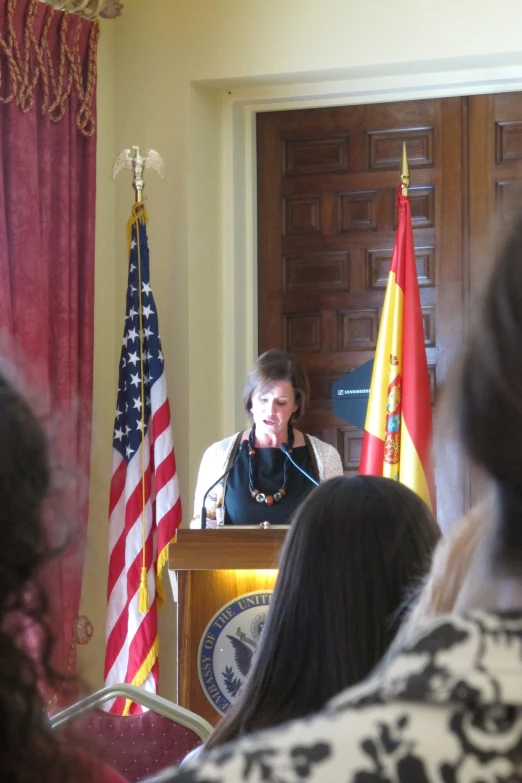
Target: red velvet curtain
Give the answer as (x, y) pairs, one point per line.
(47, 209)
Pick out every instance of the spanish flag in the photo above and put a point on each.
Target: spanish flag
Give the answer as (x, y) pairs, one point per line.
(398, 428)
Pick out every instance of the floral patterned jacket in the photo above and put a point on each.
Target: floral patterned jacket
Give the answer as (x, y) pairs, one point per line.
(447, 707)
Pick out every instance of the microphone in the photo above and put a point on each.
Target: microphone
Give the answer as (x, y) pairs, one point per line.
(241, 448)
(286, 451)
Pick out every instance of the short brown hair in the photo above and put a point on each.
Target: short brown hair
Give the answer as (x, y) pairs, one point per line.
(273, 366)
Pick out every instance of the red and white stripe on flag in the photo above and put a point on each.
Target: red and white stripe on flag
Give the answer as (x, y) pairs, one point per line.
(132, 638)
(145, 507)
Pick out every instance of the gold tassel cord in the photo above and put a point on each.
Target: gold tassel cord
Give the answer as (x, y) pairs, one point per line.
(143, 597)
(59, 68)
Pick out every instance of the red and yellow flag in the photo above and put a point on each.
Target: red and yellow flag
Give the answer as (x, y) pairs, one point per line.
(398, 429)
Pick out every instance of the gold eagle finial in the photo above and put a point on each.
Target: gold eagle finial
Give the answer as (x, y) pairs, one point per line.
(132, 159)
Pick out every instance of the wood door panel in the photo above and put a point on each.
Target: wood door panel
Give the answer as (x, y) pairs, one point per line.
(356, 183)
(356, 300)
(495, 171)
(327, 185)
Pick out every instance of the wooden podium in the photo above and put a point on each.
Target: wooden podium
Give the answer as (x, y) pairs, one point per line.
(213, 568)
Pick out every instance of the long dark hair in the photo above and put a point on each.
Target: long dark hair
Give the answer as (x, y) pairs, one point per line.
(489, 406)
(355, 549)
(28, 748)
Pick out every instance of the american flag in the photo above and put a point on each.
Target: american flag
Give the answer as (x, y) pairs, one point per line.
(145, 508)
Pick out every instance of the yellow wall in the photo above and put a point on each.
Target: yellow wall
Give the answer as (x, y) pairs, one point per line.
(246, 38)
(168, 70)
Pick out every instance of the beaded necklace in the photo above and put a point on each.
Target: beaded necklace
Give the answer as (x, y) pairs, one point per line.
(259, 496)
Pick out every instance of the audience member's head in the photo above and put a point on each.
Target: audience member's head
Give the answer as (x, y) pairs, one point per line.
(442, 590)
(471, 566)
(489, 412)
(28, 748)
(355, 550)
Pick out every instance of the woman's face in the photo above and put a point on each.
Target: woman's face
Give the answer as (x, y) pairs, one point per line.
(273, 407)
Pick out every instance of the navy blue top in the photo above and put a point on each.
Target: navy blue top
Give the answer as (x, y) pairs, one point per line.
(240, 506)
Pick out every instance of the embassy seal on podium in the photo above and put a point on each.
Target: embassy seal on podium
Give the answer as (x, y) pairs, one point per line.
(228, 645)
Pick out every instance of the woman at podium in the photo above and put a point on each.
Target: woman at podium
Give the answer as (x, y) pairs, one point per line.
(261, 481)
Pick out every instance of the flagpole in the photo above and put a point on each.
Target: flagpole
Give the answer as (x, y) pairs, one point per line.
(397, 431)
(138, 163)
(143, 597)
(138, 184)
(405, 171)
(144, 503)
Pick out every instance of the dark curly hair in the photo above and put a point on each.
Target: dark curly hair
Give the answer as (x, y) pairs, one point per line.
(29, 750)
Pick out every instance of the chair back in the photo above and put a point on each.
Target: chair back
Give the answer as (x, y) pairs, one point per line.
(136, 746)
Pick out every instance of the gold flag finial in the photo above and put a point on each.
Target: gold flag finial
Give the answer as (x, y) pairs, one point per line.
(405, 171)
(135, 161)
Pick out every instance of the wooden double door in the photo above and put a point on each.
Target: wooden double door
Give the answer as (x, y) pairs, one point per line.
(327, 184)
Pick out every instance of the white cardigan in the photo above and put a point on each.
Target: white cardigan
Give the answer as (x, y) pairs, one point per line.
(214, 463)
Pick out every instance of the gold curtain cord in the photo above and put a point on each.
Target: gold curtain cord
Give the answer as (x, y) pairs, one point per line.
(60, 72)
(88, 9)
